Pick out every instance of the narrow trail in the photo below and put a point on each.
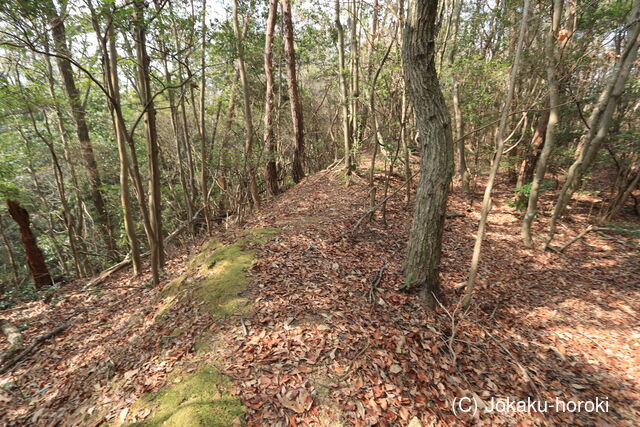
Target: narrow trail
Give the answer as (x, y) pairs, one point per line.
(320, 345)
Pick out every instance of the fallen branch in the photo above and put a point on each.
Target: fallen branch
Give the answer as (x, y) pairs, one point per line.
(575, 239)
(32, 346)
(127, 259)
(599, 230)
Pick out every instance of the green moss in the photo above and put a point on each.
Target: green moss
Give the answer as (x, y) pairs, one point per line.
(201, 399)
(171, 288)
(224, 269)
(225, 278)
(262, 234)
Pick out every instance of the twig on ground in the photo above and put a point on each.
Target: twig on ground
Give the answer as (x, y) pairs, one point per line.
(10, 364)
(452, 336)
(575, 239)
(524, 370)
(374, 284)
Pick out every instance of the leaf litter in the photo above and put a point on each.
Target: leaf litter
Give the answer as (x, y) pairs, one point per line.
(319, 347)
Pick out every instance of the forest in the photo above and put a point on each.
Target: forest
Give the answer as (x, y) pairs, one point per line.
(346, 212)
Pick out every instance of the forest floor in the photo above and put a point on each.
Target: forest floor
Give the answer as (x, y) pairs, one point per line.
(317, 331)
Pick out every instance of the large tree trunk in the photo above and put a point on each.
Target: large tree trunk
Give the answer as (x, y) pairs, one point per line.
(294, 99)
(436, 166)
(77, 109)
(271, 173)
(35, 258)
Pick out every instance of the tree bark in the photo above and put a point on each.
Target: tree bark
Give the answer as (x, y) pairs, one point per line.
(248, 142)
(495, 165)
(151, 134)
(549, 140)
(271, 173)
(344, 96)
(294, 98)
(35, 258)
(436, 165)
(77, 109)
(528, 165)
(600, 119)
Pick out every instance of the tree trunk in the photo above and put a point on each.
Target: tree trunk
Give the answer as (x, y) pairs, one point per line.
(462, 171)
(344, 97)
(223, 203)
(125, 197)
(528, 165)
(599, 120)
(178, 133)
(155, 218)
(294, 99)
(248, 142)
(354, 55)
(549, 140)
(10, 255)
(436, 165)
(35, 258)
(77, 109)
(495, 165)
(271, 173)
(203, 134)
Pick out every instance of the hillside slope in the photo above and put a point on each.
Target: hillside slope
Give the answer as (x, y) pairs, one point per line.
(293, 319)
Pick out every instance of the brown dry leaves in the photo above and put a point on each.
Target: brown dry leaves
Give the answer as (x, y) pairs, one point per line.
(317, 351)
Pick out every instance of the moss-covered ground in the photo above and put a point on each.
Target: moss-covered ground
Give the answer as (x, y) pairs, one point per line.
(199, 399)
(217, 276)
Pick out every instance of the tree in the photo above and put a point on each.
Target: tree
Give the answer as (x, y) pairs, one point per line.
(10, 256)
(344, 96)
(151, 136)
(271, 173)
(111, 75)
(249, 133)
(61, 48)
(495, 164)
(549, 140)
(203, 134)
(600, 119)
(35, 258)
(436, 165)
(294, 99)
